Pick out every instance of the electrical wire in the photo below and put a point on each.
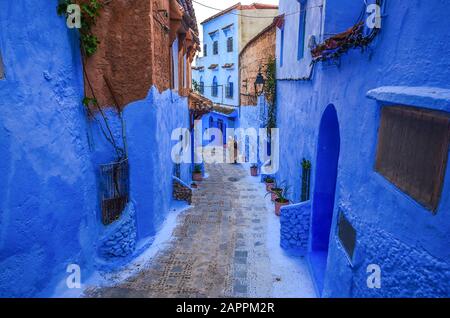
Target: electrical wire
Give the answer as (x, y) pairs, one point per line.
(256, 17)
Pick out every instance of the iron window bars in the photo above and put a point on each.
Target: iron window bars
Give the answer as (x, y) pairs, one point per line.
(114, 190)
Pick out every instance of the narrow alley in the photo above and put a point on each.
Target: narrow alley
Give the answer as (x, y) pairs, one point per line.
(221, 247)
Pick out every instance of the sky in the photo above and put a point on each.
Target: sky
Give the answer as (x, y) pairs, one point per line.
(203, 13)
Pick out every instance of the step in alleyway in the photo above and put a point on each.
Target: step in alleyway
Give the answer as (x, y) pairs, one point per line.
(226, 245)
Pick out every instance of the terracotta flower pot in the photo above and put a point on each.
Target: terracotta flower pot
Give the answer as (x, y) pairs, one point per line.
(197, 176)
(278, 205)
(275, 193)
(254, 171)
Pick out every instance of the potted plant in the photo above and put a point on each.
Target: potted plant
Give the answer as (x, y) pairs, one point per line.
(270, 182)
(254, 170)
(197, 174)
(276, 190)
(281, 201)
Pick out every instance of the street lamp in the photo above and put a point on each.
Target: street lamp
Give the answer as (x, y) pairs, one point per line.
(259, 83)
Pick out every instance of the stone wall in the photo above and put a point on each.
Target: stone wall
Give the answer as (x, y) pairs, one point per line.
(181, 191)
(119, 239)
(255, 55)
(295, 222)
(134, 51)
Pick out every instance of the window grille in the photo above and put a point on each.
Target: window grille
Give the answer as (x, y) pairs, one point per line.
(216, 47)
(114, 190)
(205, 50)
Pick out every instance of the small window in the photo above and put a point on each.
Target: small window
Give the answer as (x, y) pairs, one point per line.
(347, 235)
(205, 50)
(230, 44)
(216, 47)
(301, 29)
(412, 151)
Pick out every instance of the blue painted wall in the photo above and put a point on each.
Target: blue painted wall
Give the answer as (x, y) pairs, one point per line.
(406, 240)
(150, 123)
(48, 200)
(51, 152)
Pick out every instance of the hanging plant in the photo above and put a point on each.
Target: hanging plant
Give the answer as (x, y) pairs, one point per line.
(90, 11)
(339, 44)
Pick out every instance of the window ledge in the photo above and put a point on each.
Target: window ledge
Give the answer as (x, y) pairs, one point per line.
(428, 97)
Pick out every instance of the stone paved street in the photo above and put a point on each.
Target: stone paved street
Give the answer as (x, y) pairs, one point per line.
(218, 248)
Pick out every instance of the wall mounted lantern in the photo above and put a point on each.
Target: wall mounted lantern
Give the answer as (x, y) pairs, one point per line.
(259, 83)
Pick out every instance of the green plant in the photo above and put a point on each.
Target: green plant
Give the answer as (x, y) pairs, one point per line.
(90, 11)
(197, 169)
(306, 179)
(282, 196)
(282, 190)
(306, 164)
(269, 180)
(270, 88)
(195, 86)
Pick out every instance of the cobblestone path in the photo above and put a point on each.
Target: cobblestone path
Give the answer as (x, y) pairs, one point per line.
(218, 248)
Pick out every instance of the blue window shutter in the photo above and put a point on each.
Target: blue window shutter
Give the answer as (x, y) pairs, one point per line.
(301, 29)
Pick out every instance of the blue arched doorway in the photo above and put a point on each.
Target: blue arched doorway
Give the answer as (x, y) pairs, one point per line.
(328, 148)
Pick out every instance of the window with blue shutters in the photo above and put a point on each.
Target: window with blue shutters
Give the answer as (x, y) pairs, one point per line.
(230, 44)
(202, 86)
(215, 88)
(301, 29)
(216, 47)
(229, 88)
(205, 50)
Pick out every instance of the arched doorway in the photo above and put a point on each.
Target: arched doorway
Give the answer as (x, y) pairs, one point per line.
(328, 148)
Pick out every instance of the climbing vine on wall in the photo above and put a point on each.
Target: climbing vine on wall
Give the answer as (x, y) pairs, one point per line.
(270, 89)
(90, 11)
